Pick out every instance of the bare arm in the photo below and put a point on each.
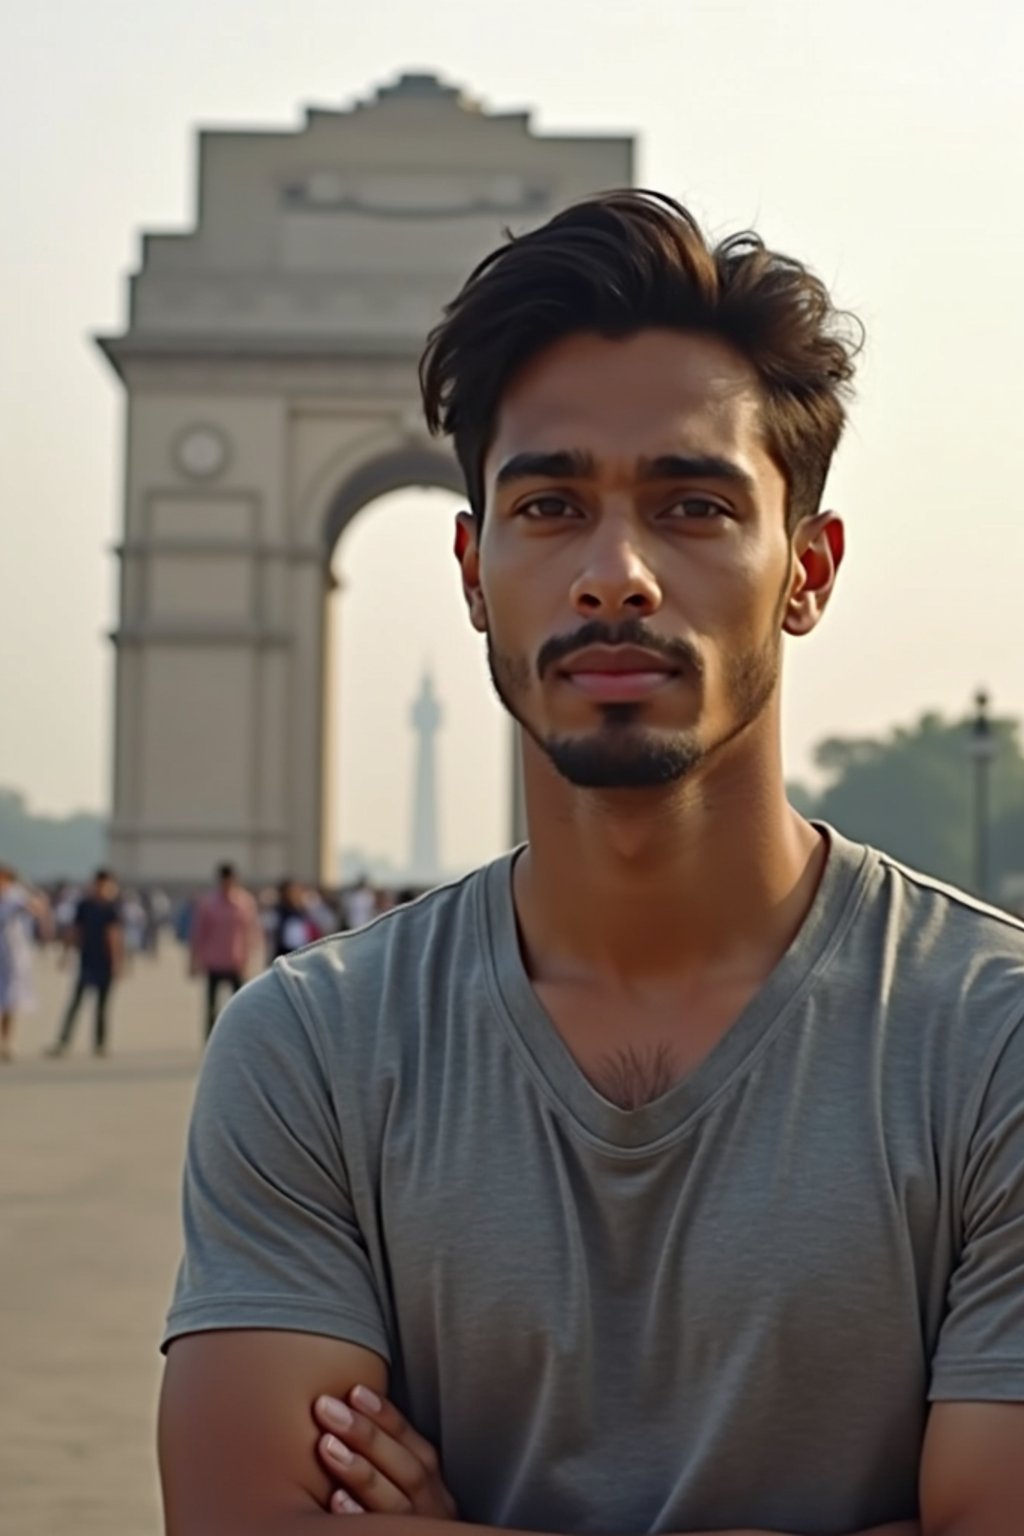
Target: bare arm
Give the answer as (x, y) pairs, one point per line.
(196, 936)
(972, 1470)
(115, 947)
(237, 1442)
(257, 936)
(386, 1468)
(237, 1437)
(39, 910)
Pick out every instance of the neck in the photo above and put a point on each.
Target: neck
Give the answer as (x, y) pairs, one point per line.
(693, 878)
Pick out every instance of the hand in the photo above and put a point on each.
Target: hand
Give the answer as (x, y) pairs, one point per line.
(384, 1467)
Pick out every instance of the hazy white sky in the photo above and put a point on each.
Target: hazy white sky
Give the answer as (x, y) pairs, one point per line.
(881, 141)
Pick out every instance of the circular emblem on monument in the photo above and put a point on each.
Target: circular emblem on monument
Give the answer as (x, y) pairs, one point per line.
(201, 452)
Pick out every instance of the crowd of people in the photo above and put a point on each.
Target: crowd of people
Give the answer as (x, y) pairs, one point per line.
(228, 933)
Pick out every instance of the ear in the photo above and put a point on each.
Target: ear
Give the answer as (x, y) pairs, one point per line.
(467, 553)
(819, 544)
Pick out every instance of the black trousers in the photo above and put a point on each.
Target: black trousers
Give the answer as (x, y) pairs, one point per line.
(87, 983)
(214, 981)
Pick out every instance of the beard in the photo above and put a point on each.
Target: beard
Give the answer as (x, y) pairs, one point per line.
(623, 752)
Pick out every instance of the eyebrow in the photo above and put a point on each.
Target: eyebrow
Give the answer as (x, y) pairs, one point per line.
(703, 466)
(574, 464)
(563, 464)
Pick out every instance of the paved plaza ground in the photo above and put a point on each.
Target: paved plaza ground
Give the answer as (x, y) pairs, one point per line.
(90, 1155)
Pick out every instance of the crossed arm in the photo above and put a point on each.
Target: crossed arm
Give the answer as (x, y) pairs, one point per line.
(238, 1446)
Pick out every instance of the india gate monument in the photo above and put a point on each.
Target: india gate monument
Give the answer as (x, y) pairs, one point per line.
(269, 367)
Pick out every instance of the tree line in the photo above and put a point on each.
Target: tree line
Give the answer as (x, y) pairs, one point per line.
(909, 792)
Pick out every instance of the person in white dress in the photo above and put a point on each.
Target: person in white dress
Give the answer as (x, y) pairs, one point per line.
(20, 911)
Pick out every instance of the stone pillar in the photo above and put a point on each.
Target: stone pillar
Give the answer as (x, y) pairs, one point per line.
(307, 784)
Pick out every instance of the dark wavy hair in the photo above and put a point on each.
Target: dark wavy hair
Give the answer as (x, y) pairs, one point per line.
(620, 263)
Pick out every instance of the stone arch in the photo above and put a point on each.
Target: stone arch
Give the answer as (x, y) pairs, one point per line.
(405, 466)
(270, 362)
(347, 488)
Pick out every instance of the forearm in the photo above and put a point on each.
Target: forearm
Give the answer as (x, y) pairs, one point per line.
(302, 1523)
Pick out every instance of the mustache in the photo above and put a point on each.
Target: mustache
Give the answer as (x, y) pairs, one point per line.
(681, 654)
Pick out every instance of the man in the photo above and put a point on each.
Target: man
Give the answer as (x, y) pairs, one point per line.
(293, 926)
(96, 934)
(224, 934)
(667, 1175)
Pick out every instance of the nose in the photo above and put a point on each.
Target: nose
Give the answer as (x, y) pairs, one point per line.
(615, 581)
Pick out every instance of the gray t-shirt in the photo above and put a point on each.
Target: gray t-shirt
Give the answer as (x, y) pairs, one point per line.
(730, 1307)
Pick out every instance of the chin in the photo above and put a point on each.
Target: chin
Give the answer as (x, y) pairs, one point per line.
(638, 760)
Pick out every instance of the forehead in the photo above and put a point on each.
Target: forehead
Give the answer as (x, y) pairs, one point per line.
(632, 397)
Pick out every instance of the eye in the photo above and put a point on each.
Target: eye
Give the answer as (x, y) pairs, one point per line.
(696, 509)
(546, 509)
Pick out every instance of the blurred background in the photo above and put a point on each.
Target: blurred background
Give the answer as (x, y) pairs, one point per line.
(879, 143)
(232, 626)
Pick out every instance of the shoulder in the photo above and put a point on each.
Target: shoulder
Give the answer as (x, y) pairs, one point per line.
(411, 952)
(261, 1037)
(932, 907)
(949, 959)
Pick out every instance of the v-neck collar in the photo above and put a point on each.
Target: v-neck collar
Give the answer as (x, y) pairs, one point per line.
(549, 1060)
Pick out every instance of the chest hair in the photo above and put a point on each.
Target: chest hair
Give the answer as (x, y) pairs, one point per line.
(635, 1075)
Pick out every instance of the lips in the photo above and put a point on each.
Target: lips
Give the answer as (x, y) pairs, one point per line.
(618, 659)
(618, 673)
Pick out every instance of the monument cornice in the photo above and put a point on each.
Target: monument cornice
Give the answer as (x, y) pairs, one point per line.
(296, 365)
(186, 632)
(291, 554)
(253, 830)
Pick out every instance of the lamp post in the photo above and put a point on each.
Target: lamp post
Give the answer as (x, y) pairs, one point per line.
(983, 750)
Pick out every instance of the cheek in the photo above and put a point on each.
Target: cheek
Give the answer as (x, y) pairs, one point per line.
(515, 591)
(732, 601)
(756, 578)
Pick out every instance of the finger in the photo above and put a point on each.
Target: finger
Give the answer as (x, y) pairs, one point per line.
(394, 1423)
(343, 1503)
(394, 1460)
(362, 1481)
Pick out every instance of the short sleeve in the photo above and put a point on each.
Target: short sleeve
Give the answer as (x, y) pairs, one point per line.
(980, 1354)
(271, 1238)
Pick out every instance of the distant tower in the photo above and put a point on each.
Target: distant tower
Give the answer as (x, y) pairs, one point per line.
(427, 715)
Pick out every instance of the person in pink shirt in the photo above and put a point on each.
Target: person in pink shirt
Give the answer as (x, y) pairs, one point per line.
(225, 932)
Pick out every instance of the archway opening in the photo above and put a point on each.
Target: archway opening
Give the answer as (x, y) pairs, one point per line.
(399, 617)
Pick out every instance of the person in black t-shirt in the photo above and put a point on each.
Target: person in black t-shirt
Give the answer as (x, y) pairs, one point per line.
(293, 923)
(96, 935)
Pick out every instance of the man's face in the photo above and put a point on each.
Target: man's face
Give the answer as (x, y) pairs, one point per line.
(633, 568)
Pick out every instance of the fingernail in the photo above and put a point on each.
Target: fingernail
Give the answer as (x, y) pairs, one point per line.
(338, 1451)
(336, 1413)
(367, 1399)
